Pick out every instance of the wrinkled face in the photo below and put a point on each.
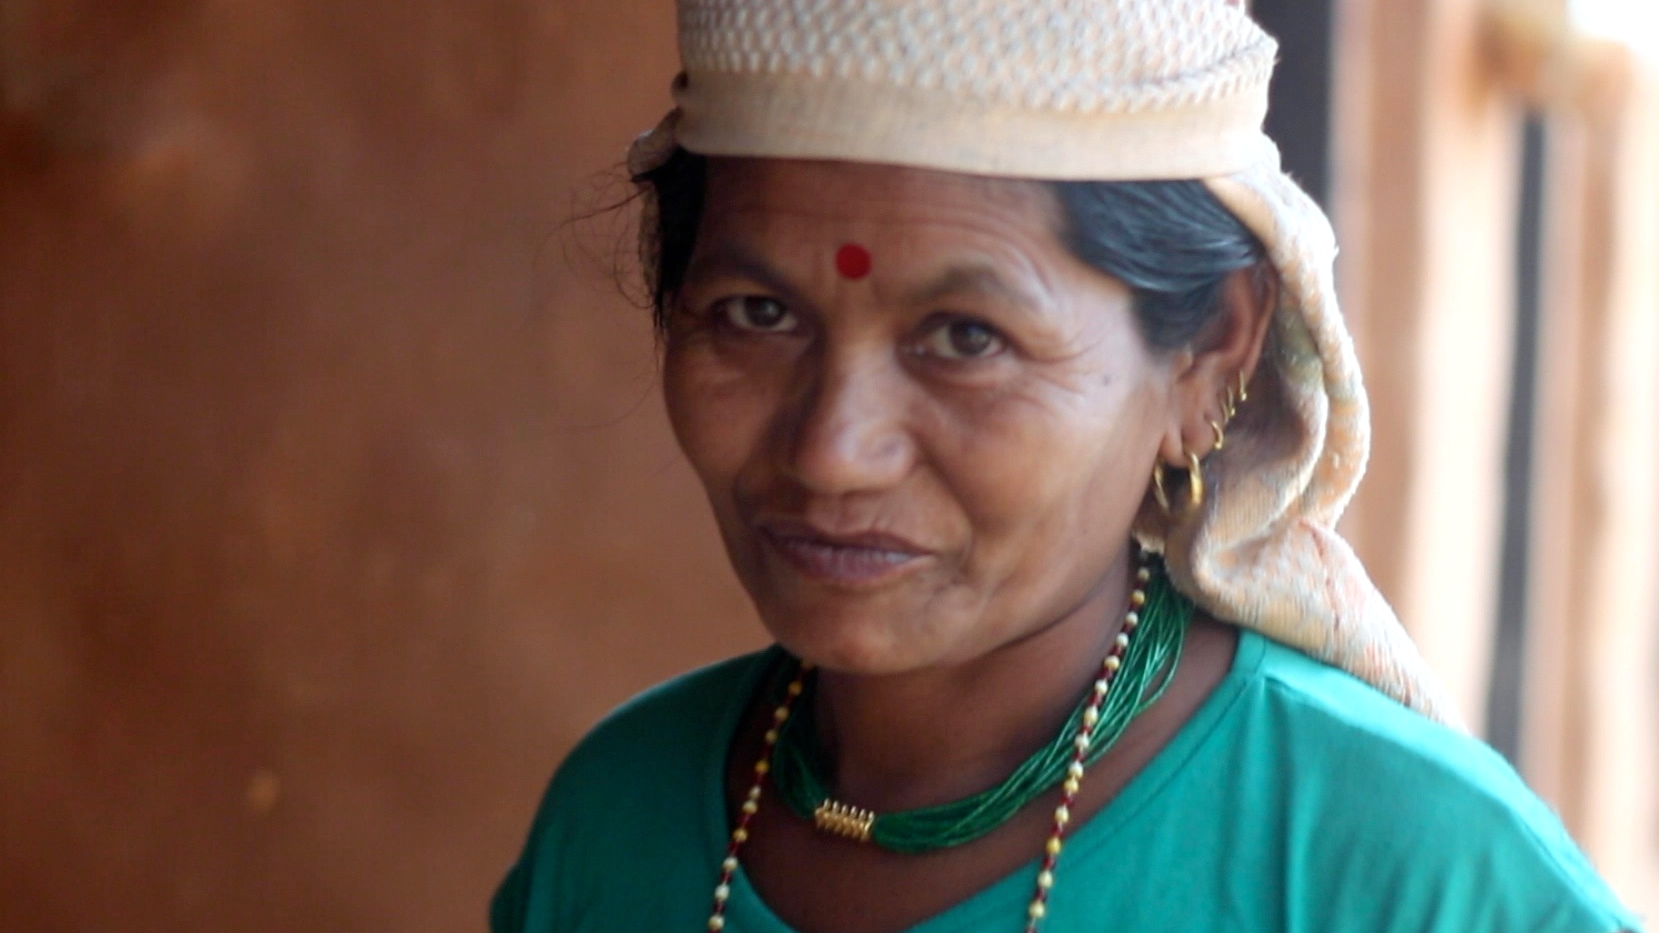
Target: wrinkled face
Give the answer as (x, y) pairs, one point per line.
(921, 448)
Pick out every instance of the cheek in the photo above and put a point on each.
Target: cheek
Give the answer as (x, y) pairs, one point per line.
(718, 412)
(1048, 472)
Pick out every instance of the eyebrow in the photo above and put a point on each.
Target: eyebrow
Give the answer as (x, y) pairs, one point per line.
(976, 279)
(969, 278)
(733, 259)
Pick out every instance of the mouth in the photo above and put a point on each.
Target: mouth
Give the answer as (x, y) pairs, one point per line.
(848, 560)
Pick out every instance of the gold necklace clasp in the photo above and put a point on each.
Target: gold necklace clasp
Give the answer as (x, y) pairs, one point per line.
(843, 819)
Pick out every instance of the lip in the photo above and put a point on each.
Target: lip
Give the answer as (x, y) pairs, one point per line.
(859, 559)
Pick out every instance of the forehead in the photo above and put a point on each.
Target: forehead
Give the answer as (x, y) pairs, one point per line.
(875, 196)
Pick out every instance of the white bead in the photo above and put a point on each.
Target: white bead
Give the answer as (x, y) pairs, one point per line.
(730, 864)
(1045, 880)
(722, 892)
(1075, 769)
(1090, 716)
(717, 922)
(1122, 640)
(1081, 743)
(1062, 814)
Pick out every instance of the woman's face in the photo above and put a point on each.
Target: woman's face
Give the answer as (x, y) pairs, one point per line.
(913, 466)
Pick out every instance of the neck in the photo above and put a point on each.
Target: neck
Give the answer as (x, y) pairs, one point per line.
(931, 736)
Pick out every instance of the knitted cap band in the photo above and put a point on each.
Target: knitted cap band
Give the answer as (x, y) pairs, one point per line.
(797, 116)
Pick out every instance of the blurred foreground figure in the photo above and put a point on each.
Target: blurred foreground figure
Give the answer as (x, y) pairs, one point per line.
(1011, 365)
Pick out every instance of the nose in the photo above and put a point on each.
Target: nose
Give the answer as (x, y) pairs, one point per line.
(848, 430)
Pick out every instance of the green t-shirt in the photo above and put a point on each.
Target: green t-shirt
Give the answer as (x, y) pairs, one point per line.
(1296, 799)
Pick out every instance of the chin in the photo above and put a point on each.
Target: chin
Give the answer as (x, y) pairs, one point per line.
(864, 644)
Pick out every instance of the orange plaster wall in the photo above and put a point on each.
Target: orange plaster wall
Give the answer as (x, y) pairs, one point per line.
(335, 495)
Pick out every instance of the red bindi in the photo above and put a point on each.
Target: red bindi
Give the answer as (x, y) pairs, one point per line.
(853, 261)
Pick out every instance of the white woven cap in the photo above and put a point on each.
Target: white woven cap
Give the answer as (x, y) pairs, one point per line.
(1098, 90)
(946, 84)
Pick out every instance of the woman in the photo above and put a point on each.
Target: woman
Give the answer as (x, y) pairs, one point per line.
(1010, 364)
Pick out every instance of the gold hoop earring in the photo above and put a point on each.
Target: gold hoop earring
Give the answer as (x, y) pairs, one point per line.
(1220, 435)
(1158, 492)
(1195, 481)
(1243, 391)
(1229, 405)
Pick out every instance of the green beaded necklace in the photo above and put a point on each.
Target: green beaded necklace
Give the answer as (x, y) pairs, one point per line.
(799, 767)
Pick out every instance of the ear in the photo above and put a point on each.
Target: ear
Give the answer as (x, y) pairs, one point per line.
(1211, 371)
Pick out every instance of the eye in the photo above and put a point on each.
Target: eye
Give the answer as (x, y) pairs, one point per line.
(963, 339)
(755, 313)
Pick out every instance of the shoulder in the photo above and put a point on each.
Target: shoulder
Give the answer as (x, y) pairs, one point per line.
(1339, 729)
(1347, 722)
(1382, 799)
(640, 792)
(668, 729)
